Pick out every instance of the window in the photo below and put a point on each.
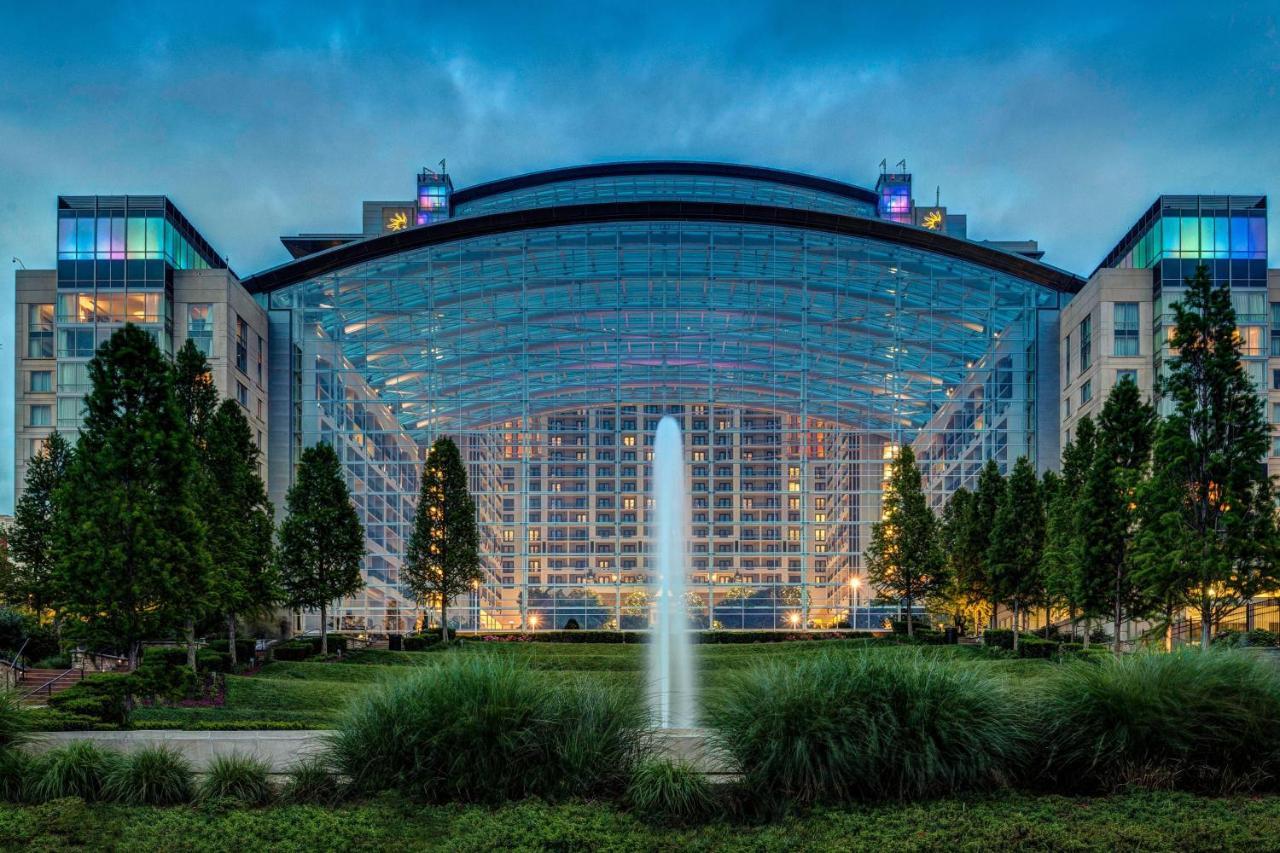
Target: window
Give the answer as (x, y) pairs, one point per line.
(40, 416)
(1066, 408)
(260, 356)
(242, 345)
(1275, 445)
(1275, 380)
(1275, 413)
(40, 331)
(1131, 375)
(1067, 377)
(75, 343)
(71, 412)
(200, 326)
(1086, 343)
(1086, 391)
(1126, 328)
(242, 395)
(41, 381)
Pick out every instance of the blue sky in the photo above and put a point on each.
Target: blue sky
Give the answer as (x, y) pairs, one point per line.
(1055, 121)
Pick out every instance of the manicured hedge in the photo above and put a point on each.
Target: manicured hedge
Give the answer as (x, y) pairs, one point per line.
(244, 648)
(301, 648)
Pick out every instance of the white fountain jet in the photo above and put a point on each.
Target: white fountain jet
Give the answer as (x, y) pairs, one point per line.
(671, 691)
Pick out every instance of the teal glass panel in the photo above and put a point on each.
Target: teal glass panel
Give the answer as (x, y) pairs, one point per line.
(1206, 236)
(1221, 237)
(155, 237)
(137, 237)
(117, 238)
(1190, 247)
(1169, 242)
(84, 237)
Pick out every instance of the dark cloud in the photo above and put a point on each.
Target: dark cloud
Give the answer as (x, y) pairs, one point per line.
(1054, 121)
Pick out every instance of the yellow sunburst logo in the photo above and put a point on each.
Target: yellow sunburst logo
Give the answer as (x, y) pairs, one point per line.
(398, 222)
(932, 220)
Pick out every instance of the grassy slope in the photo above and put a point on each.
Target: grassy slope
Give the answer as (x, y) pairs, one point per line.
(311, 695)
(1009, 822)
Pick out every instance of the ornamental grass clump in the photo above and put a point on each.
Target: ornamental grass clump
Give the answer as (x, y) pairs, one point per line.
(673, 792)
(77, 770)
(311, 782)
(151, 776)
(1198, 720)
(864, 726)
(484, 729)
(240, 778)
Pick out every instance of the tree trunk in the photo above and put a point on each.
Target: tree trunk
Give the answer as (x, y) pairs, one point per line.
(324, 629)
(910, 627)
(1168, 626)
(135, 652)
(1048, 617)
(191, 643)
(444, 620)
(1086, 632)
(995, 612)
(1071, 614)
(1015, 626)
(231, 637)
(1115, 641)
(1205, 630)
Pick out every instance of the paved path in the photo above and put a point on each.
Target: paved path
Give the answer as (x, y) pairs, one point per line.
(283, 749)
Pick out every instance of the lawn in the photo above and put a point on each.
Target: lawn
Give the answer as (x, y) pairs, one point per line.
(311, 695)
(1138, 821)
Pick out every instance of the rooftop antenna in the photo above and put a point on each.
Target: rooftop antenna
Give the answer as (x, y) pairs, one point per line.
(19, 262)
(903, 164)
(937, 196)
(884, 166)
(442, 168)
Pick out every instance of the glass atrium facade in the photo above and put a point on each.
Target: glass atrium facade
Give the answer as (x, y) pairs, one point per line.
(797, 360)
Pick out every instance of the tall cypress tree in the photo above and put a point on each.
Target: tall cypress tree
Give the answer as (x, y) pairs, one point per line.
(443, 560)
(130, 545)
(1017, 541)
(905, 559)
(321, 542)
(31, 535)
(1208, 535)
(1107, 508)
(240, 526)
(197, 399)
(991, 486)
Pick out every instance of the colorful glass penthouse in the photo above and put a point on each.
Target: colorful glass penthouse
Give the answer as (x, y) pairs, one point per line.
(547, 322)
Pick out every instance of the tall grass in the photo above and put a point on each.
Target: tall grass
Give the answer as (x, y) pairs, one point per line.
(1191, 719)
(838, 727)
(151, 776)
(311, 781)
(670, 792)
(242, 778)
(482, 728)
(13, 725)
(77, 770)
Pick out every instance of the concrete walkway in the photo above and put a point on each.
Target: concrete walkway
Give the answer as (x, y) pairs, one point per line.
(283, 749)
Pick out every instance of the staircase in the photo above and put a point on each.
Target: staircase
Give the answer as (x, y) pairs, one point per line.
(37, 685)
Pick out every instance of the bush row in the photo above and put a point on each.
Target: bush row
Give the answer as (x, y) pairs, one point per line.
(419, 642)
(156, 776)
(1034, 646)
(301, 648)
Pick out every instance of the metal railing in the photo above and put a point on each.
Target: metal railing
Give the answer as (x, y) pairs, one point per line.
(1261, 613)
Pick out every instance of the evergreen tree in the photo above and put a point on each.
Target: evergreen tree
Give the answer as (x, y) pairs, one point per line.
(991, 486)
(1208, 536)
(321, 542)
(905, 559)
(197, 399)
(443, 560)
(239, 518)
(129, 543)
(964, 545)
(1107, 508)
(1057, 594)
(31, 535)
(1017, 542)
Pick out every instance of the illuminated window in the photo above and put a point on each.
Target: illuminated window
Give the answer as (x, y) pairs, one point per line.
(200, 326)
(40, 331)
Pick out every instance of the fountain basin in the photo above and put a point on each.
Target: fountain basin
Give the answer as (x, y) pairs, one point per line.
(692, 746)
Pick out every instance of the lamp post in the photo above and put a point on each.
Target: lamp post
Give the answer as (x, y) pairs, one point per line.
(853, 602)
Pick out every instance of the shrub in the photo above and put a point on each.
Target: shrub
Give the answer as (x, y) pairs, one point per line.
(59, 661)
(76, 770)
(1191, 719)
(301, 648)
(1258, 637)
(670, 792)
(244, 648)
(311, 782)
(151, 776)
(833, 728)
(17, 775)
(102, 696)
(482, 729)
(421, 641)
(241, 778)
(1036, 647)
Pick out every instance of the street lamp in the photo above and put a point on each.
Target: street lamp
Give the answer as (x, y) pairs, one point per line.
(853, 602)
(533, 621)
(793, 618)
